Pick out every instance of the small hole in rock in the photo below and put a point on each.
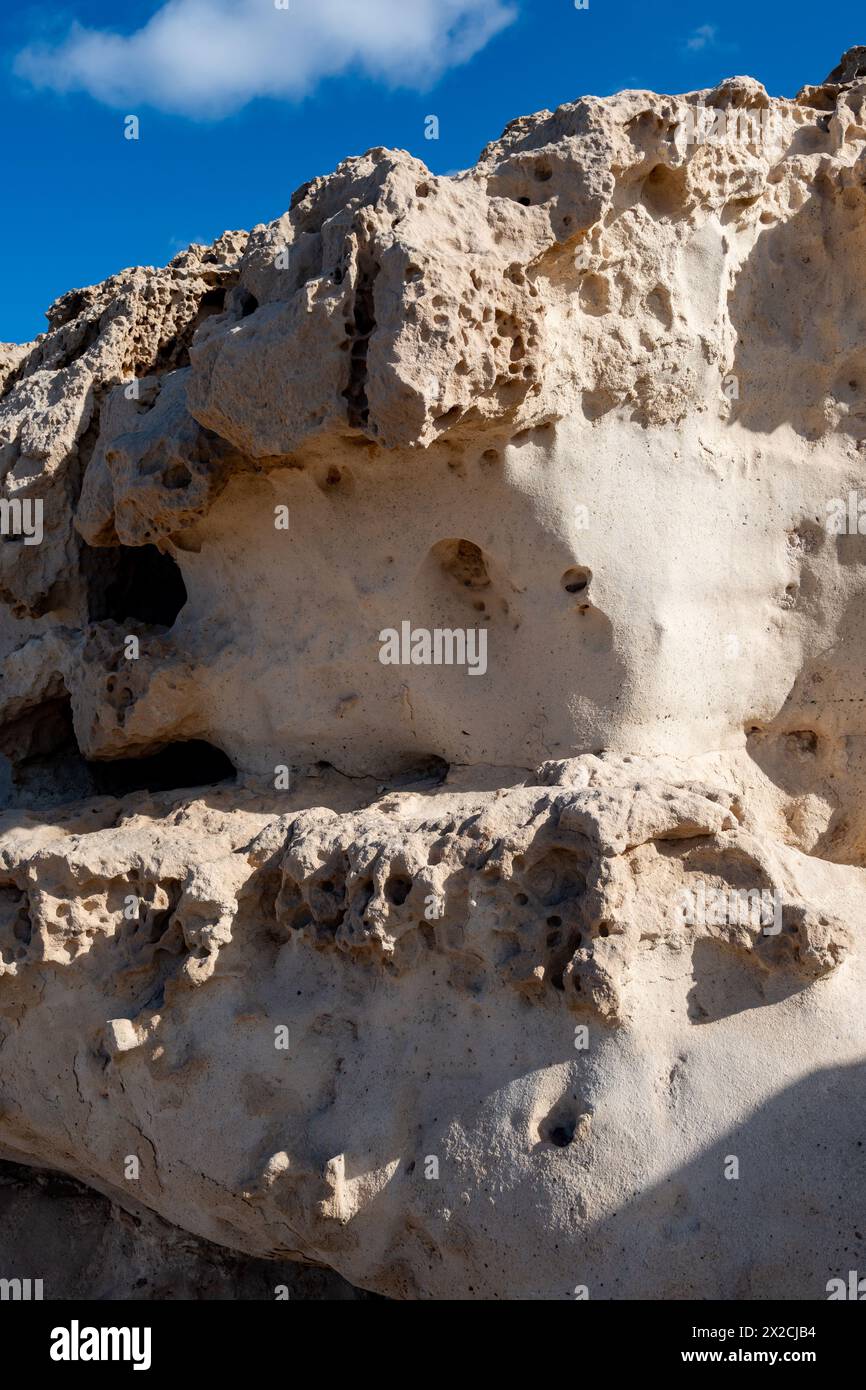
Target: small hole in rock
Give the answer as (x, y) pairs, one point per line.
(398, 888)
(246, 302)
(576, 579)
(463, 562)
(562, 1136)
(176, 476)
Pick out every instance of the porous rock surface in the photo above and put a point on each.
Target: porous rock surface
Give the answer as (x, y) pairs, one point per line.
(430, 1014)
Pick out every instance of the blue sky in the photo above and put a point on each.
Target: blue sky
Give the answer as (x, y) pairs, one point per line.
(239, 103)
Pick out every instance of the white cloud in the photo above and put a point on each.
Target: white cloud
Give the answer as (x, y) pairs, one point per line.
(703, 37)
(210, 57)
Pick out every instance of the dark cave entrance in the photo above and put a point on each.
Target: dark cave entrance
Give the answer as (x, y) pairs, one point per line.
(191, 764)
(45, 766)
(132, 582)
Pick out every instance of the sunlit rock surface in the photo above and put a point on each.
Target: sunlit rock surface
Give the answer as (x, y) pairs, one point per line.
(532, 973)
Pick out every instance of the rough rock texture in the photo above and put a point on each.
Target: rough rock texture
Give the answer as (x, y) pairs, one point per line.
(432, 1014)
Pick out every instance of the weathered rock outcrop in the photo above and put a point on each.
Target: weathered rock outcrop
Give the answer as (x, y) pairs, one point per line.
(485, 554)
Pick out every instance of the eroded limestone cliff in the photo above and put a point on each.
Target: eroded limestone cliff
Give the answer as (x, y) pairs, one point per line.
(524, 974)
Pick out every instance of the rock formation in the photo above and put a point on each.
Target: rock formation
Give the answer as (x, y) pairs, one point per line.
(433, 716)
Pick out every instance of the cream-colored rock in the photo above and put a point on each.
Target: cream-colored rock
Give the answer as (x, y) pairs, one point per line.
(484, 975)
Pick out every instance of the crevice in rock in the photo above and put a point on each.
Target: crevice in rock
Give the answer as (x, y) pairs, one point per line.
(173, 353)
(41, 355)
(417, 770)
(89, 334)
(212, 302)
(360, 330)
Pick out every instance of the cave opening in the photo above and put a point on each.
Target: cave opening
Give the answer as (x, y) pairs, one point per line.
(132, 582)
(41, 763)
(194, 763)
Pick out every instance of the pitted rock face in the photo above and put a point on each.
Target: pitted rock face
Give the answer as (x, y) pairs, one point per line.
(487, 551)
(623, 344)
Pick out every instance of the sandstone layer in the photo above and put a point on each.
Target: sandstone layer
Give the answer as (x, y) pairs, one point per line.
(385, 966)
